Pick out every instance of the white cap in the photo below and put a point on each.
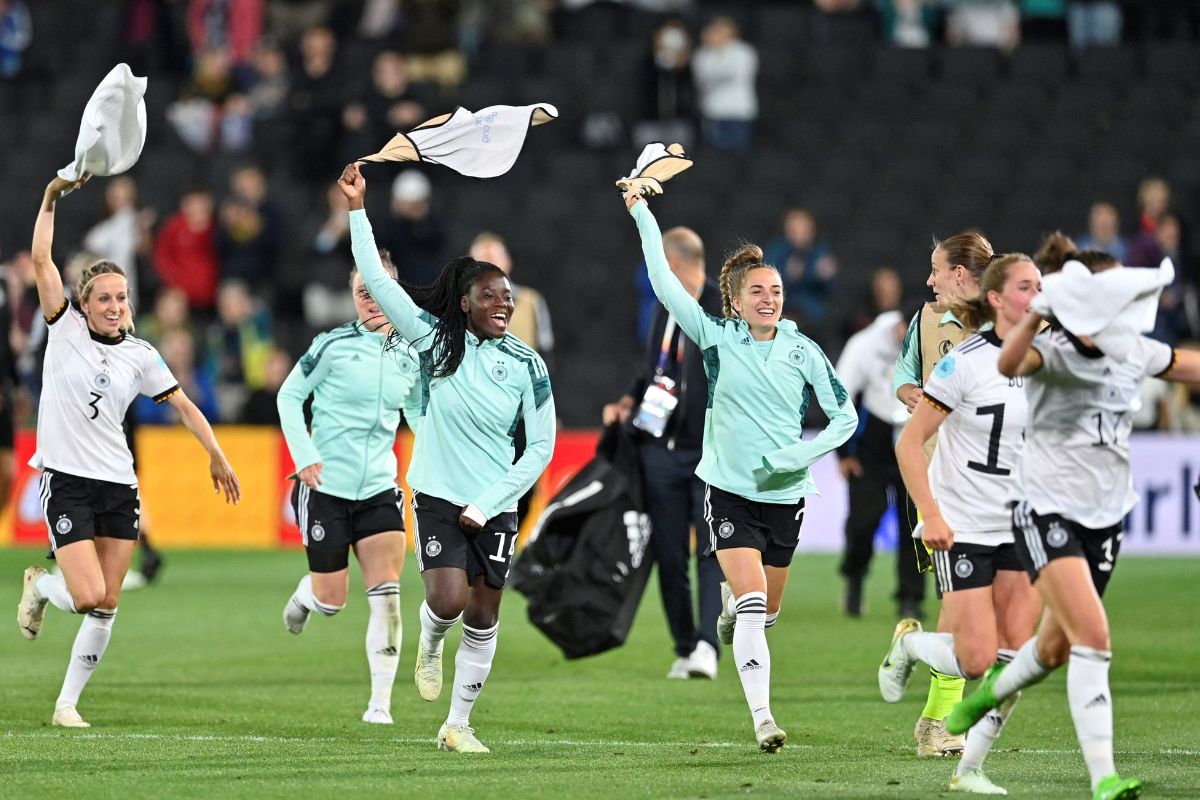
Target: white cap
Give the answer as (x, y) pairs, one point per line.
(410, 186)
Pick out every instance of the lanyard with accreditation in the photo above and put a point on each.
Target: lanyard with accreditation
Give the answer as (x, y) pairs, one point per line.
(661, 397)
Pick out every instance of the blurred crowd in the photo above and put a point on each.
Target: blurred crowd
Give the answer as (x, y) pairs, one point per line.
(287, 91)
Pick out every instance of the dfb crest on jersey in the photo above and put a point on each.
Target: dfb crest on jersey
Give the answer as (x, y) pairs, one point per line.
(317, 532)
(1056, 535)
(102, 380)
(500, 372)
(796, 357)
(725, 530)
(963, 568)
(63, 526)
(432, 548)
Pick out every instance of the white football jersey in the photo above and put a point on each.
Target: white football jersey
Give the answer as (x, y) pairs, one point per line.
(88, 382)
(973, 468)
(1081, 403)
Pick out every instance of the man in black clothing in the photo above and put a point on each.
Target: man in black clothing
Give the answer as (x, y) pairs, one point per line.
(669, 455)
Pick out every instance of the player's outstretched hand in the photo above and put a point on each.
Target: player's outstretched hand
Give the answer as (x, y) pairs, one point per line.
(311, 475)
(223, 478)
(58, 187)
(632, 197)
(353, 185)
(937, 534)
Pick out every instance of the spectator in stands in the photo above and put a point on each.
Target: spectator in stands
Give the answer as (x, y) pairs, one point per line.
(668, 103)
(1093, 23)
(908, 23)
(807, 266)
(177, 348)
(324, 255)
(530, 320)
(289, 19)
(1104, 232)
(268, 82)
(249, 231)
(233, 25)
(260, 407)
(185, 255)
(16, 32)
(170, 314)
(211, 114)
(885, 294)
(239, 343)
(412, 233)
(315, 104)
(983, 23)
(1178, 316)
(389, 105)
(124, 233)
(725, 68)
(430, 38)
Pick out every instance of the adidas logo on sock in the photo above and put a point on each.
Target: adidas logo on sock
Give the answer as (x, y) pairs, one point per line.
(472, 687)
(387, 651)
(1098, 700)
(750, 665)
(90, 661)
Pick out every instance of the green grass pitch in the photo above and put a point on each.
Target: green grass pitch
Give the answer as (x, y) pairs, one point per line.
(203, 694)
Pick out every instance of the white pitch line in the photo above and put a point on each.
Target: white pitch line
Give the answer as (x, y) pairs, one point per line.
(1170, 751)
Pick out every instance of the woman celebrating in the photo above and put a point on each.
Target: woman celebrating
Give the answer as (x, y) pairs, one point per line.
(1074, 488)
(956, 267)
(761, 373)
(92, 372)
(989, 607)
(346, 494)
(477, 381)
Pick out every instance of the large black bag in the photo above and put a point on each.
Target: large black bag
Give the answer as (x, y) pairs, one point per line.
(585, 565)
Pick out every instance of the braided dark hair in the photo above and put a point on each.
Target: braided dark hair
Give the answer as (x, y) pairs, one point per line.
(442, 299)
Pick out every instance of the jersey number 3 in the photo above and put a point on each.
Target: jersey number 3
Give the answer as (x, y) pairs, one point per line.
(96, 398)
(992, 467)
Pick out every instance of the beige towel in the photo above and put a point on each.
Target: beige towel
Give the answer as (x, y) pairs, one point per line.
(657, 164)
(480, 144)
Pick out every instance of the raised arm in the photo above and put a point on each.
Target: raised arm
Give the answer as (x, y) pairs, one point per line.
(413, 322)
(693, 319)
(49, 283)
(1017, 356)
(843, 419)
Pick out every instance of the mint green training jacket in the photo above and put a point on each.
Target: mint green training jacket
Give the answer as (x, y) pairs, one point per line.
(752, 431)
(464, 451)
(358, 389)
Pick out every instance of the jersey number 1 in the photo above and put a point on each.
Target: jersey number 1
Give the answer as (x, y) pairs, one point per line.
(992, 467)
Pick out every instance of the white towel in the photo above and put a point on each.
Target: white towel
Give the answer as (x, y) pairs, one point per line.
(1111, 307)
(479, 144)
(657, 164)
(113, 130)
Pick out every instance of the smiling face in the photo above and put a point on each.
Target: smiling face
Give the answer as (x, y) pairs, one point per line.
(488, 305)
(1022, 284)
(106, 305)
(759, 300)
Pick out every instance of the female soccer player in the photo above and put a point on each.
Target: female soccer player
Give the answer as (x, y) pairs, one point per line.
(989, 607)
(359, 375)
(956, 267)
(761, 373)
(476, 382)
(92, 372)
(1074, 487)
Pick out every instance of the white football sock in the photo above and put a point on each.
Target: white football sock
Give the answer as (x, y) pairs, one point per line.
(433, 627)
(751, 655)
(86, 652)
(54, 588)
(472, 663)
(983, 734)
(1026, 669)
(770, 620)
(934, 649)
(305, 597)
(1090, 700)
(383, 641)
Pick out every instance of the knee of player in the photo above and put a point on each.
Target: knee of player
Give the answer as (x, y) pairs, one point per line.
(973, 665)
(331, 601)
(446, 608)
(1054, 656)
(89, 598)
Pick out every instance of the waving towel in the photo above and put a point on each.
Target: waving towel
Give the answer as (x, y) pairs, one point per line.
(1110, 307)
(657, 164)
(480, 144)
(113, 130)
